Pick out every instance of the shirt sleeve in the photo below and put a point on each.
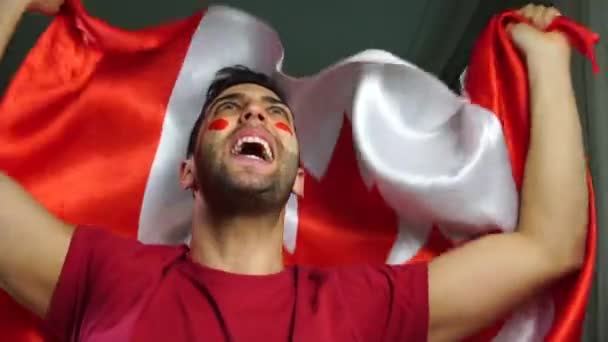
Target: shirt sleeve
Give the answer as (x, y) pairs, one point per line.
(95, 263)
(387, 303)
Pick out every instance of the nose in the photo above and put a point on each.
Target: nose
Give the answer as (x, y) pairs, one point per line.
(253, 113)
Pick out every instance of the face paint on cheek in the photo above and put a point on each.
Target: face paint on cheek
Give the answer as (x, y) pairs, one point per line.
(284, 127)
(218, 125)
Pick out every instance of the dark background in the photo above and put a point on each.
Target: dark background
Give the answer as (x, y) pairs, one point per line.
(434, 34)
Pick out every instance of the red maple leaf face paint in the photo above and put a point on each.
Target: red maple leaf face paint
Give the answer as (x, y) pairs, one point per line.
(218, 125)
(283, 126)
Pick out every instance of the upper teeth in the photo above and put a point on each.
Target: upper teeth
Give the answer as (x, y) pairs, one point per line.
(236, 149)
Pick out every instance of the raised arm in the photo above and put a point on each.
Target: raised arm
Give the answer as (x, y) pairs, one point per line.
(473, 286)
(33, 243)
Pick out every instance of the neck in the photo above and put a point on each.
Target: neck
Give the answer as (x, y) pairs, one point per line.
(243, 245)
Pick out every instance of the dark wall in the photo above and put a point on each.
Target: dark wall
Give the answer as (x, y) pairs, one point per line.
(316, 32)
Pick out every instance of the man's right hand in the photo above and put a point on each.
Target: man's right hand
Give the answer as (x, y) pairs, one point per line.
(12, 10)
(44, 6)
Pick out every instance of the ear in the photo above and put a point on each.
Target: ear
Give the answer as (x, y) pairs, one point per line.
(186, 174)
(298, 185)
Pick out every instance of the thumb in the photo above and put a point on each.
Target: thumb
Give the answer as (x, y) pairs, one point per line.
(520, 28)
(521, 33)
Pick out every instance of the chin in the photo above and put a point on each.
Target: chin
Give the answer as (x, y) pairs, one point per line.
(251, 182)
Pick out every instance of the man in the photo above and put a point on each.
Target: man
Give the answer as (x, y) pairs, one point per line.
(230, 283)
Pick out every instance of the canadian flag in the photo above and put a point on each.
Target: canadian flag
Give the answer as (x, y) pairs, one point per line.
(398, 168)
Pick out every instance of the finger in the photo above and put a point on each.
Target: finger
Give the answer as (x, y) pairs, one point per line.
(550, 15)
(520, 27)
(538, 17)
(526, 11)
(48, 9)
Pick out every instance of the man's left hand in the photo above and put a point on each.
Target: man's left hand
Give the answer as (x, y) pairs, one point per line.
(533, 40)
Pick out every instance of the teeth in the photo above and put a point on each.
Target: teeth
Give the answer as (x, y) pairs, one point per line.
(236, 149)
(253, 157)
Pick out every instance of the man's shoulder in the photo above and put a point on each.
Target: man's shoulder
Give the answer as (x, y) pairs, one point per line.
(383, 302)
(107, 273)
(109, 244)
(363, 268)
(368, 274)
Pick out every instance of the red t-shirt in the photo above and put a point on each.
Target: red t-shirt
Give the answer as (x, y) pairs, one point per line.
(116, 289)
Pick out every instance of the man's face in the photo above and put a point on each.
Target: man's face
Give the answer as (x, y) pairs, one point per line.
(247, 152)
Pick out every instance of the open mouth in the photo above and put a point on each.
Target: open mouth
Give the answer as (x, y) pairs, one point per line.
(253, 147)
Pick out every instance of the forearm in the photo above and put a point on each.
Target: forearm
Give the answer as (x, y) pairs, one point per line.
(10, 14)
(554, 202)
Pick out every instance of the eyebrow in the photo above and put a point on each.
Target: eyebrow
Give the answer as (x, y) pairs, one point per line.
(241, 96)
(233, 96)
(274, 100)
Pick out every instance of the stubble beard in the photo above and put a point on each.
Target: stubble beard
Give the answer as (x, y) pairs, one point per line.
(230, 195)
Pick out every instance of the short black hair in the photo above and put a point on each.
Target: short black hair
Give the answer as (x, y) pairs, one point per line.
(224, 79)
